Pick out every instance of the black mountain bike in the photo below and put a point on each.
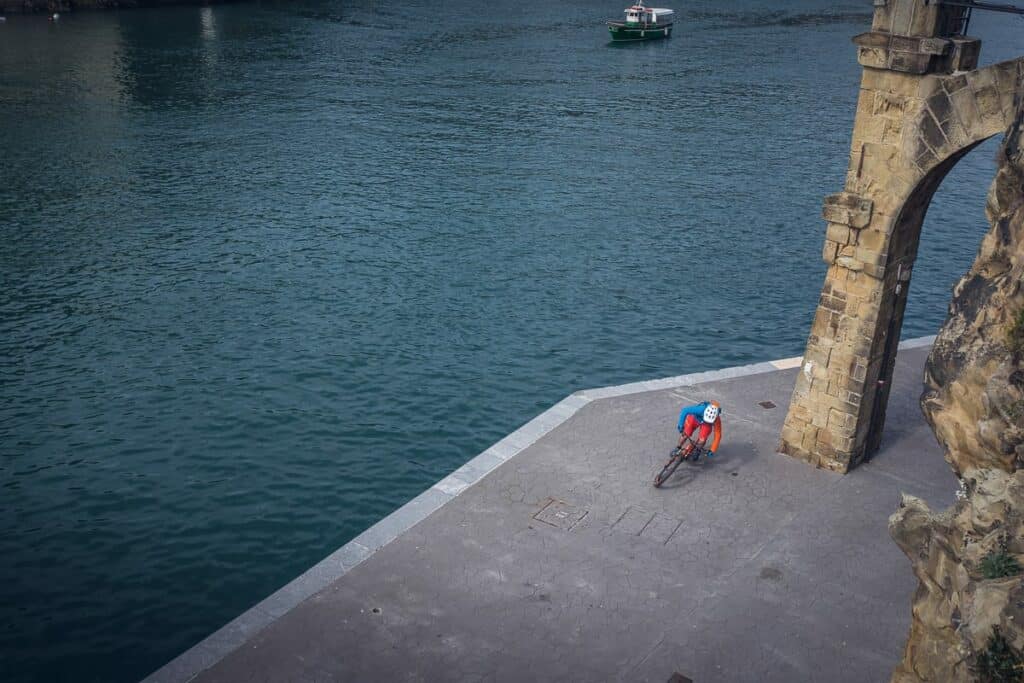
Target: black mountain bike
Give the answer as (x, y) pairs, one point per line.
(688, 450)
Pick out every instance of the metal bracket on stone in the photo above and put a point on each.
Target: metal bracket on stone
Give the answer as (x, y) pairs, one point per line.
(847, 209)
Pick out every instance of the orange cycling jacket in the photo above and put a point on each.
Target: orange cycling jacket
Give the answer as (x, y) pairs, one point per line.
(698, 413)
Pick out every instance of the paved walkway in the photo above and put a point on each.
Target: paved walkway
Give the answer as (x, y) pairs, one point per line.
(565, 564)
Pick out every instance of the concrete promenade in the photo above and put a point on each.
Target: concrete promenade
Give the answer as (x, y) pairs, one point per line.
(550, 557)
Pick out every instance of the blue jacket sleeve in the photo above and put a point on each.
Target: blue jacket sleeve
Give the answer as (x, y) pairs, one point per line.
(696, 411)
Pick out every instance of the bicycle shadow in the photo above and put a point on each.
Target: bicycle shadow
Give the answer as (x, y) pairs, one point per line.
(731, 460)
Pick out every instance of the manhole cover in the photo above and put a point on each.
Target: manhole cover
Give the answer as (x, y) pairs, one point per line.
(560, 514)
(766, 404)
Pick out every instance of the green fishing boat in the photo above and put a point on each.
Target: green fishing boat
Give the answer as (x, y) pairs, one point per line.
(642, 23)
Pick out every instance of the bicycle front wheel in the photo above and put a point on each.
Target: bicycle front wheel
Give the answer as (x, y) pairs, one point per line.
(667, 471)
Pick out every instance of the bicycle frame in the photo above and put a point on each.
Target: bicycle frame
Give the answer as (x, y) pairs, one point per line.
(694, 444)
(677, 458)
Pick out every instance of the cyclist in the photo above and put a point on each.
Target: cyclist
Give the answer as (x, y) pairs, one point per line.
(707, 416)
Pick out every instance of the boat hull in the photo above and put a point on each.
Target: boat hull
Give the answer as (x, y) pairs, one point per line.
(622, 33)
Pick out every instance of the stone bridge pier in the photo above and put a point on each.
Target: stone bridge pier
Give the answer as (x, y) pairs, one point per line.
(923, 105)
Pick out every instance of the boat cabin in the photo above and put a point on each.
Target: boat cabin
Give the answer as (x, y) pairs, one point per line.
(638, 15)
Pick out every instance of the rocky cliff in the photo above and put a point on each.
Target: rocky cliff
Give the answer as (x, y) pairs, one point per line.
(975, 378)
(968, 611)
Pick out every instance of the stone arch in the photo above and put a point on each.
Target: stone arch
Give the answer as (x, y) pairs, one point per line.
(962, 109)
(910, 130)
(958, 112)
(901, 254)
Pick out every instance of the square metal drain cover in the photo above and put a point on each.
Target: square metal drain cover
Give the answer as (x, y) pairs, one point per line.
(560, 514)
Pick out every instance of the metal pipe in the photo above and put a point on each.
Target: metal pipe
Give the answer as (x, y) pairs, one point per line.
(980, 4)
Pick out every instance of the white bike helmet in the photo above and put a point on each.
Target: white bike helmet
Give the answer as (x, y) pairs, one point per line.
(711, 411)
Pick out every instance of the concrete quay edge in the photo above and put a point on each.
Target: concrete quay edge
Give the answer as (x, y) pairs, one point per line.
(232, 635)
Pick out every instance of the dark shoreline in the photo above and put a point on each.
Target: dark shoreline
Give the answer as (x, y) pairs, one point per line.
(47, 6)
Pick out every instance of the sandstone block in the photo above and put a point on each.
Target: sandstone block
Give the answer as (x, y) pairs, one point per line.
(869, 256)
(819, 420)
(873, 240)
(809, 439)
(892, 133)
(939, 107)
(844, 444)
(932, 133)
(966, 109)
(859, 372)
(829, 251)
(887, 104)
(850, 263)
(954, 83)
(877, 272)
(923, 155)
(792, 435)
(989, 104)
(832, 303)
(872, 57)
(846, 208)
(839, 233)
(964, 54)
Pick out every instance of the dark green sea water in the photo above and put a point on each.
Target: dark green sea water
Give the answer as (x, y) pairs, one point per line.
(269, 270)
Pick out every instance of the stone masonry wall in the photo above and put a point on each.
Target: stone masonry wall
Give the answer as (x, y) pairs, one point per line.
(909, 131)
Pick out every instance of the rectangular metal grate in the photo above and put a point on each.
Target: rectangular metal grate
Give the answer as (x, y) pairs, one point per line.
(560, 514)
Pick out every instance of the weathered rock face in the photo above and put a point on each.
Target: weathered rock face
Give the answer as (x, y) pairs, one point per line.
(968, 558)
(975, 397)
(956, 606)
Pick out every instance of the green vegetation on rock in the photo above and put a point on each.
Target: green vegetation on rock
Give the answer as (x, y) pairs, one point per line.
(1016, 411)
(998, 564)
(999, 662)
(1015, 335)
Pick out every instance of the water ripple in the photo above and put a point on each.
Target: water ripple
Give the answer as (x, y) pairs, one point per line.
(269, 270)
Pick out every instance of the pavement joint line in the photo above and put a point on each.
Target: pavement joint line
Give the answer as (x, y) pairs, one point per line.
(222, 642)
(578, 521)
(502, 450)
(790, 518)
(796, 361)
(674, 530)
(903, 481)
(757, 424)
(647, 524)
(696, 398)
(746, 562)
